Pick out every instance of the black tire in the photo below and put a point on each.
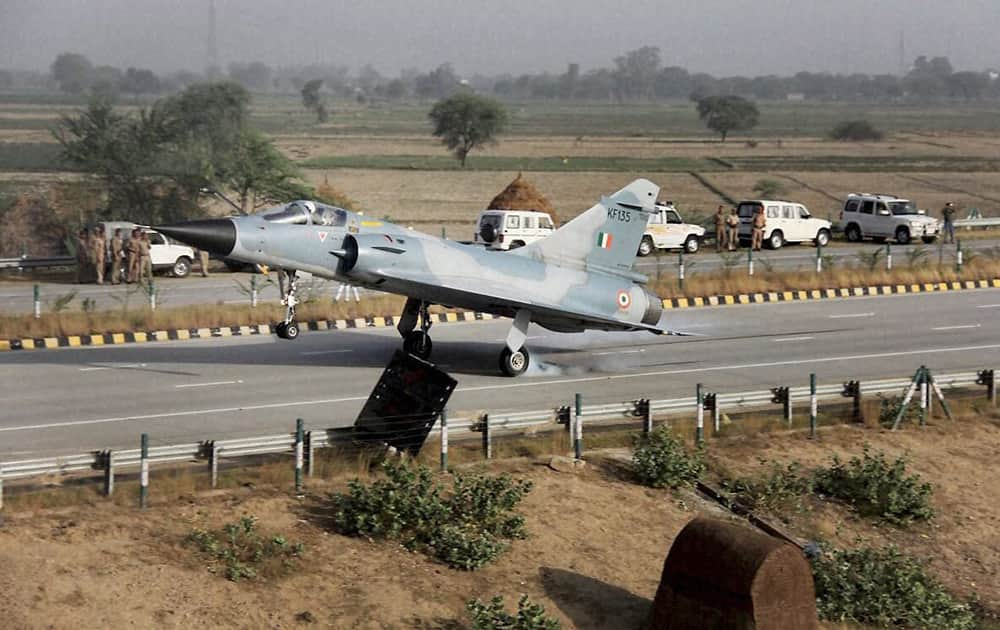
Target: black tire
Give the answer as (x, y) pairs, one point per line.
(279, 329)
(853, 233)
(292, 331)
(928, 239)
(903, 235)
(822, 238)
(182, 267)
(692, 244)
(514, 363)
(418, 343)
(646, 246)
(776, 240)
(516, 244)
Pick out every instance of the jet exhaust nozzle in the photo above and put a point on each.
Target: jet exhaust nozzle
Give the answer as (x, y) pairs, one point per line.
(217, 236)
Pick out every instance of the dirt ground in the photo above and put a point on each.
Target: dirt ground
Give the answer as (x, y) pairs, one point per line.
(593, 557)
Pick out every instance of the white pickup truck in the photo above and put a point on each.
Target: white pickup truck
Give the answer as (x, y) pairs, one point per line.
(666, 230)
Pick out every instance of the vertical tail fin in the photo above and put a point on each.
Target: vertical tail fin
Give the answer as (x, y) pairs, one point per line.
(607, 236)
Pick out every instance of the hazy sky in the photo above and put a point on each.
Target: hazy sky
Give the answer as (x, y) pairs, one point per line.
(722, 37)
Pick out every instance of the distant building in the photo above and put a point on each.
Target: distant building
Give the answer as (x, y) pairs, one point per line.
(795, 96)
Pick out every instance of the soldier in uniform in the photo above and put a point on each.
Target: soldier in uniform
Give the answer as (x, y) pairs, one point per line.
(759, 223)
(82, 256)
(98, 251)
(117, 248)
(132, 256)
(733, 230)
(145, 264)
(720, 229)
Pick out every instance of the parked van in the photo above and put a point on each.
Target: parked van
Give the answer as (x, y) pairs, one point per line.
(787, 222)
(510, 229)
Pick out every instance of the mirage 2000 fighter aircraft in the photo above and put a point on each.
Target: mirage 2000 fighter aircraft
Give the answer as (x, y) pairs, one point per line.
(580, 277)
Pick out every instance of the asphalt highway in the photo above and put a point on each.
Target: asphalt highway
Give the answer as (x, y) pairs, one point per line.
(78, 399)
(231, 288)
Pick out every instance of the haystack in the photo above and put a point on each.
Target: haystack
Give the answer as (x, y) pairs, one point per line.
(521, 194)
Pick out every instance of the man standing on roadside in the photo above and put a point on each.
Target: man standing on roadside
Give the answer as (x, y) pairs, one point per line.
(82, 256)
(132, 257)
(759, 223)
(98, 250)
(117, 247)
(145, 264)
(948, 214)
(733, 230)
(203, 259)
(720, 229)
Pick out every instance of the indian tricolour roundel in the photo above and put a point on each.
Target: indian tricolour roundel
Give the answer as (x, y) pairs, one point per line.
(624, 300)
(604, 240)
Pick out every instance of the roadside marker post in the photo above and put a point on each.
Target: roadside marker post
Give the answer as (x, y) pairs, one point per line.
(888, 256)
(144, 472)
(109, 472)
(310, 454)
(253, 291)
(299, 434)
(924, 387)
(487, 437)
(444, 438)
(750, 261)
(813, 405)
(213, 463)
(680, 269)
(699, 430)
(578, 424)
(819, 258)
(38, 301)
(152, 295)
(958, 255)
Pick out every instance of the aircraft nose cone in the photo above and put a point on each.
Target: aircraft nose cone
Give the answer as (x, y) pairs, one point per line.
(217, 236)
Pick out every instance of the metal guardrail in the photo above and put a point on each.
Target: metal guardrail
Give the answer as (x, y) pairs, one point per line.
(37, 263)
(983, 222)
(498, 422)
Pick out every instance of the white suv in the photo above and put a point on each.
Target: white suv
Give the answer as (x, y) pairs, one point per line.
(886, 216)
(164, 254)
(666, 230)
(787, 222)
(510, 229)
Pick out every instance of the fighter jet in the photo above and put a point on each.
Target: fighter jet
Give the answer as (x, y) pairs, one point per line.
(580, 277)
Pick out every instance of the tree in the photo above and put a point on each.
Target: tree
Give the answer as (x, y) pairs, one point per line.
(437, 83)
(312, 100)
(635, 73)
(259, 174)
(254, 76)
(728, 113)
(466, 121)
(140, 81)
(855, 131)
(72, 71)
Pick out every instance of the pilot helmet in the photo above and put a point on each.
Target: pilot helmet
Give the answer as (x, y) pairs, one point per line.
(309, 206)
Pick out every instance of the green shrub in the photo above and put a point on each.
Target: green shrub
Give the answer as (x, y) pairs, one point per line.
(778, 489)
(494, 616)
(888, 409)
(876, 487)
(243, 552)
(855, 131)
(465, 528)
(885, 588)
(660, 460)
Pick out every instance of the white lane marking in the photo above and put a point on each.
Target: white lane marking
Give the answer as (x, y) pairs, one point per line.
(209, 384)
(316, 352)
(851, 315)
(181, 414)
(955, 327)
(123, 366)
(599, 354)
(794, 339)
(540, 383)
(989, 306)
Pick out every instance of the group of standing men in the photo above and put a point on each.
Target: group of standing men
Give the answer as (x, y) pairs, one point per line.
(727, 229)
(130, 259)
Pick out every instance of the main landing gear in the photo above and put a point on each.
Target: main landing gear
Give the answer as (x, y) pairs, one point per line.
(514, 358)
(289, 328)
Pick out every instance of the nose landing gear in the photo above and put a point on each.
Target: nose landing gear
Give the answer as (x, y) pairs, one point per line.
(288, 328)
(416, 342)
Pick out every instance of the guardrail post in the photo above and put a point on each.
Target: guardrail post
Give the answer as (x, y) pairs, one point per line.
(298, 455)
(750, 261)
(38, 301)
(988, 378)
(645, 411)
(680, 269)
(888, 256)
(108, 459)
(819, 258)
(213, 463)
(487, 437)
(253, 291)
(852, 390)
(578, 425)
(563, 418)
(812, 405)
(444, 438)
(712, 404)
(699, 429)
(144, 471)
(782, 396)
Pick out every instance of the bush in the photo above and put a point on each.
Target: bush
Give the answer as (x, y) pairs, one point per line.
(779, 488)
(769, 189)
(243, 552)
(660, 460)
(494, 616)
(855, 131)
(888, 409)
(466, 528)
(885, 588)
(876, 487)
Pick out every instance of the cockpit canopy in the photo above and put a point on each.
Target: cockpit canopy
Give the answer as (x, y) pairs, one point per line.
(306, 213)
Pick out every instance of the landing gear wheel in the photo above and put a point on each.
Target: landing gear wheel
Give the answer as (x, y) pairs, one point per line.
(291, 330)
(514, 363)
(418, 343)
(279, 329)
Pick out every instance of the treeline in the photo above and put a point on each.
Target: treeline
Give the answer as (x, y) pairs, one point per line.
(636, 76)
